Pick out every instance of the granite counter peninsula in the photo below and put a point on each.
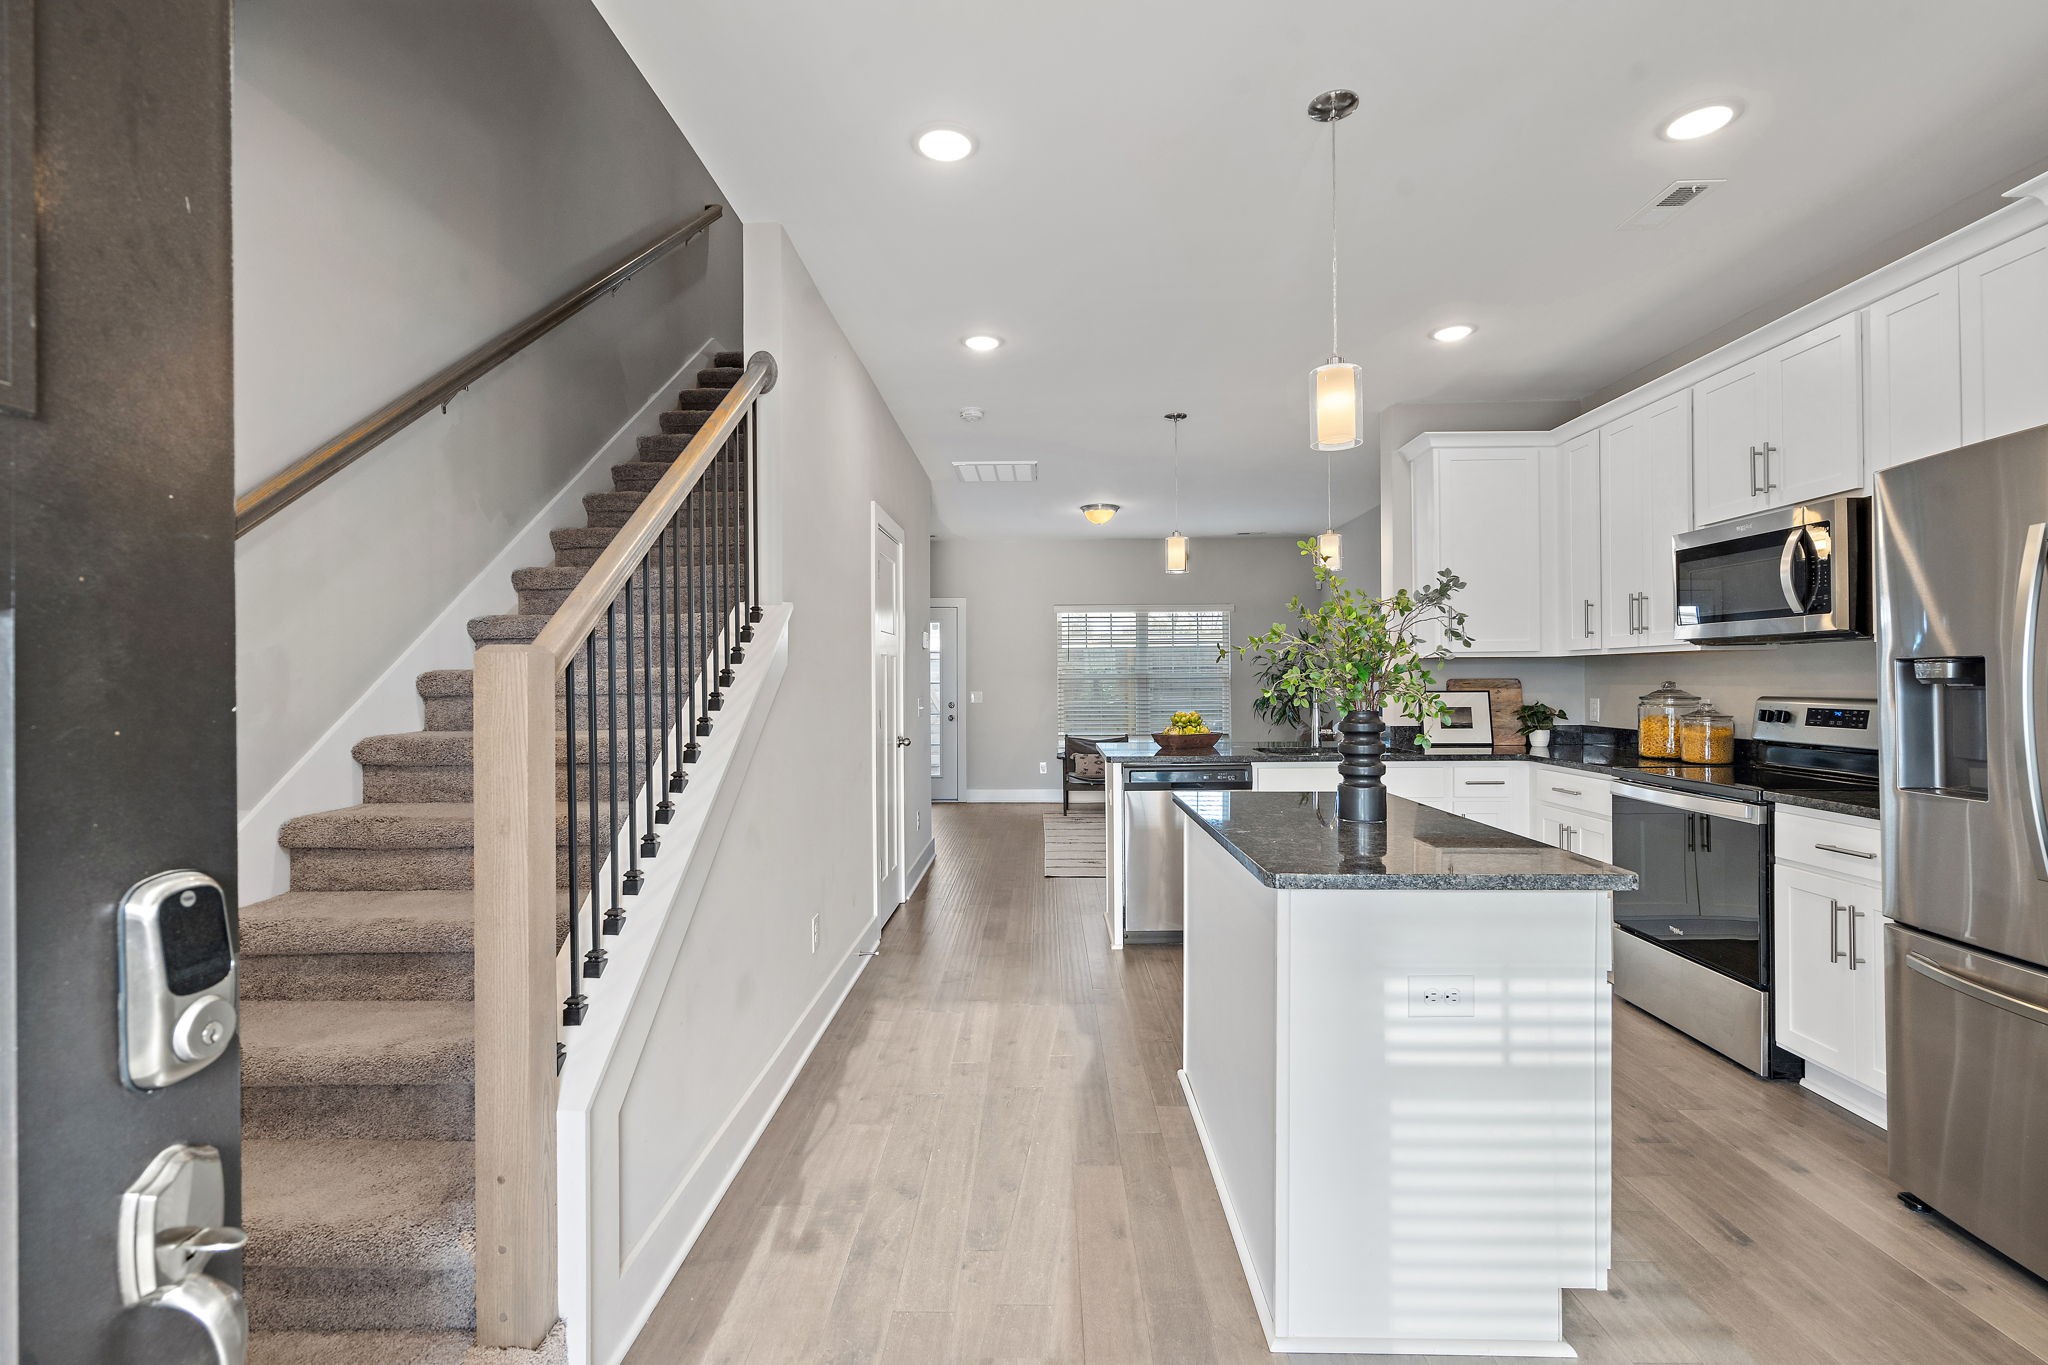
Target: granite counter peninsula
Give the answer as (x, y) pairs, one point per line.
(1396, 1052)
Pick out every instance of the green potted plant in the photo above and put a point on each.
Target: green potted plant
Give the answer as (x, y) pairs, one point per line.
(1357, 655)
(1535, 720)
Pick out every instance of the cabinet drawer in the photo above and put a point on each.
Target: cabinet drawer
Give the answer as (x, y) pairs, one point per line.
(1294, 777)
(1488, 781)
(1428, 783)
(1573, 791)
(1500, 813)
(1844, 847)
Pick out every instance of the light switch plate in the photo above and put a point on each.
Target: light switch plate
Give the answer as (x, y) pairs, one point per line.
(1439, 997)
(974, 697)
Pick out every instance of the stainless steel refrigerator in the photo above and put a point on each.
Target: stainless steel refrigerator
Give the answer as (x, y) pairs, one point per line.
(1962, 571)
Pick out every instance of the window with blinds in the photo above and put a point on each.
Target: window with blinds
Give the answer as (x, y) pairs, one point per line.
(1126, 670)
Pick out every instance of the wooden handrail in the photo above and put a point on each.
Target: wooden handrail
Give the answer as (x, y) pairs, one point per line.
(283, 489)
(518, 998)
(587, 604)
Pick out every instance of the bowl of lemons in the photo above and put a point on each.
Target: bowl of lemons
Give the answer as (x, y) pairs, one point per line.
(1186, 733)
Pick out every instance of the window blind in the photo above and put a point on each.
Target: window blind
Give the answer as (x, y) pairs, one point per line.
(1126, 670)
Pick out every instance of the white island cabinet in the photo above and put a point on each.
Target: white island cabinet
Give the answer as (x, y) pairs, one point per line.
(1397, 1055)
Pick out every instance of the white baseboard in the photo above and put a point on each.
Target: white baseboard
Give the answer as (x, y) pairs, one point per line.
(1839, 1090)
(919, 866)
(1036, 796)
(326, 777)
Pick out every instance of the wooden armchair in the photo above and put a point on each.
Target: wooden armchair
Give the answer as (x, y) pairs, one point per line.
(1082, 767)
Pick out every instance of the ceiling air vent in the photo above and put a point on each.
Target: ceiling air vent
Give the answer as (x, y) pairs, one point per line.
(1673, 198)
(996, 471)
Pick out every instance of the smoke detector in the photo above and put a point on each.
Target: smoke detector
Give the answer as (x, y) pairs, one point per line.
(1673, 197)
(972, 414)
(996, 471)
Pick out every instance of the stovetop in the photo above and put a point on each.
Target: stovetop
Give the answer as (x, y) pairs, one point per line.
(1752, 781)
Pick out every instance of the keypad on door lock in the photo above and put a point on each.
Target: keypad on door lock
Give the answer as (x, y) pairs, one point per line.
(178, 978)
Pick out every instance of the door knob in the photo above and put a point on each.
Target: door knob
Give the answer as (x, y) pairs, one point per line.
(903, 741)
(170, 1227)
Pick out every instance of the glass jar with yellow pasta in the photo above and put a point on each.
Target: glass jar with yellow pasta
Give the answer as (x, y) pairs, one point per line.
(1706, 736)
(1657, 716)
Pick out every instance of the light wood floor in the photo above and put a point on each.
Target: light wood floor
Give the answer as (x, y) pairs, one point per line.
(988, 1159)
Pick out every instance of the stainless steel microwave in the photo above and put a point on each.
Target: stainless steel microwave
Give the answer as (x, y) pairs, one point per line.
(1796, 573)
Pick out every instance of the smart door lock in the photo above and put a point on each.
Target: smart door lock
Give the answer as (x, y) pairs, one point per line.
(177, 978)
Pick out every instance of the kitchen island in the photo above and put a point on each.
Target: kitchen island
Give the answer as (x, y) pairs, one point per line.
(1396, 1053)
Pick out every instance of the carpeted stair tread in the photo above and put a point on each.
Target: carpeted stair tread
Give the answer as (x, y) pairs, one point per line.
(730, 360)
(357, 1042)
(519, 628)
(720, 376)
(405, 825)
(307, 922)
(359, 1204)
(703, 398)
(456, 748)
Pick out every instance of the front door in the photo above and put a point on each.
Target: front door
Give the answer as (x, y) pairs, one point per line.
(945, 713)
(117, 618)
(889, 741)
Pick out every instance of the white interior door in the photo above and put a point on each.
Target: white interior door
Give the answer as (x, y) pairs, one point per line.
(946, 736)
(890, 743)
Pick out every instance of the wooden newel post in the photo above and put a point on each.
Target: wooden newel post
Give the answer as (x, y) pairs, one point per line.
(516, 1003)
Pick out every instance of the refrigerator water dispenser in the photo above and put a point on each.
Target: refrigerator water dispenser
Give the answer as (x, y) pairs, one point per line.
(1941, 726)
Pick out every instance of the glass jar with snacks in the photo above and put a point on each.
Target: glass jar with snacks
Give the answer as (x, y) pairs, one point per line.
(1657, 715)
(1706, 736)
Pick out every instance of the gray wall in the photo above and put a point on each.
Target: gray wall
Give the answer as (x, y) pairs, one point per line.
(1734, 678)
(409, 180)
(1011, 588)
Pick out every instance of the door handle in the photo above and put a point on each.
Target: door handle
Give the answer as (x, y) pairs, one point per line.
(903, 741)
(1589, 619)
(1568, 791)
(1834, 931)
(1769, 450)
(170, 1227)
(1854, 961)
(1755, 484)
(1845, 852)
(1977, 990)
(2026, 628)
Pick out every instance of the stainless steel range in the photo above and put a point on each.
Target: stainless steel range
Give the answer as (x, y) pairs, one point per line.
(1692, 944)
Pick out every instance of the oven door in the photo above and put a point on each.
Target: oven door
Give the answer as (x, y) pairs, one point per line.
(1701, 864)
(1797, 572)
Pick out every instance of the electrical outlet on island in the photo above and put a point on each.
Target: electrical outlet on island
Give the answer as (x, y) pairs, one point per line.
(1439, 997)
(814, 934)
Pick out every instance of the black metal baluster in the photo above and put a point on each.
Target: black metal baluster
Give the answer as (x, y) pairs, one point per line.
(595, 958)
(599, 839)
(714, 593)
(700, 615)
(632, 789)
(735, 552)
(648, 738)
(663, 552)
(575, 1006)
(686, 631)
(753, 506)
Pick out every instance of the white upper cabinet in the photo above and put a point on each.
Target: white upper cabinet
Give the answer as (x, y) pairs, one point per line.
(1779, 429)
(1645, 500)
(1578, 541)
(2004, 305)
(1913, 373)
(1478, 513)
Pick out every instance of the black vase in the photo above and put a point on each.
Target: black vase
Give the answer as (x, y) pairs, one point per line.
(1360, 796)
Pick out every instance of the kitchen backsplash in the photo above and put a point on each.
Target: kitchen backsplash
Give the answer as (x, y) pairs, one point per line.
(1733, 678)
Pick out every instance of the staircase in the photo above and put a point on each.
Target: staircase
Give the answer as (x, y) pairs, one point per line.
(358, 1072)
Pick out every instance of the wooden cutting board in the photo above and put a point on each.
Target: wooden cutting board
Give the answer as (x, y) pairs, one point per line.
(1507, 698)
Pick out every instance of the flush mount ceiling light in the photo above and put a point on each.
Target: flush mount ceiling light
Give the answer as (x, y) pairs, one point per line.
(1457, 331)
(945, 144)
(1336, 419)
(981, 343)
(1176, 544)
(972, 414)
(1699, 123)
(1099, 512)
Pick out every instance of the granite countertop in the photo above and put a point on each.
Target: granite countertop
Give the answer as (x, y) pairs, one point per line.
(1840, 800)
(1293, 841)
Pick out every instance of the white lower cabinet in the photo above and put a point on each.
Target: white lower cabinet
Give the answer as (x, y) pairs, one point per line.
(1294, 777)
(1426, 783)
(1573, 811)
(1828, 978)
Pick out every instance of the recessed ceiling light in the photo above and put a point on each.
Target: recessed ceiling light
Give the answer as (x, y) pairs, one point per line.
(1099, 512)
(1457, 331)
(945, 144)
(1700, 122)
(982, 343)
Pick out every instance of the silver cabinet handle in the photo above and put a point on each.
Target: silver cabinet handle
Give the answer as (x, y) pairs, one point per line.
(1977, 990)
(1834, 930)
(1756, 487)
(1769, 450)
(1568, 791)
(1589, 619)
(2026, 626)
(1485, 782)
(1854, 961)
(1845, 852)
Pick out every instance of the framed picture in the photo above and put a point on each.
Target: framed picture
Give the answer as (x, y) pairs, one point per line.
(1466, 724)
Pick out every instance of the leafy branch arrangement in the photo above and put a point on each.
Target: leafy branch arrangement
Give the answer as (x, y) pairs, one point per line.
(1356, 652)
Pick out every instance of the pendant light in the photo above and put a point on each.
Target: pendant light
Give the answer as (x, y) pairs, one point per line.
(1337, 416)
(1330, 545)
(1176, 544)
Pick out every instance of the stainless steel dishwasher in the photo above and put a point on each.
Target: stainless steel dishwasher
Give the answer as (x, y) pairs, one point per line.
(1152, 844)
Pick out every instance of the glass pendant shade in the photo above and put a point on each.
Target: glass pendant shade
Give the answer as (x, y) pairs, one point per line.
(1098, 512)
(1176, 553)
(1338, 421)
(1330, 550)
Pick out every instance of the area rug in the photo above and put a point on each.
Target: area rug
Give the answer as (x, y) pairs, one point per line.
(1075, 845)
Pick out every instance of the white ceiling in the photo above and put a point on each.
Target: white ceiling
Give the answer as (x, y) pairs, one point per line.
(1145, 222)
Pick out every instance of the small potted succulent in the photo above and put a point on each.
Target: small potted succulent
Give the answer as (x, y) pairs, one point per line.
(1535, 719)
(1186, 733)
